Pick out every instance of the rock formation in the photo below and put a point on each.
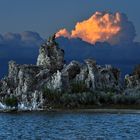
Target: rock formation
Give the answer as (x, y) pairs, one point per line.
(21, 83)
(98, 77)
(26, 82)
(51, 56)
(132, 82)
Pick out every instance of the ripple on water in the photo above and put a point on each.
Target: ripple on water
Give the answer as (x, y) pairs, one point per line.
(69, 126)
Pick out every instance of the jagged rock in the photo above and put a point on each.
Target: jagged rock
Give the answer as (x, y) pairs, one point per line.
(31, 101)
(5, 85)
(51, 56)
(94, 76)
(13, 72)
(55, 81)
(21, 82)
(97, 77)
(109, 78)
(92, 71)
(83, 75)
(26, 82)
(132, 85)
(72, 69)
(132, 81)
(61, 80)
(58, 81)
(43, 74)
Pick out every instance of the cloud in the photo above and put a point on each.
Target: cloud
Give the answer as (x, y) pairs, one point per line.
(64, 33)
(103, 27)
(21, 47)
(27, 38)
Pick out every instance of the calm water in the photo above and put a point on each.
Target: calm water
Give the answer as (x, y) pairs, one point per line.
(69, 126)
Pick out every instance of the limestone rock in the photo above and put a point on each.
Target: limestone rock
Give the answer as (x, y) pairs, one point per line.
(108, 78)
(26, 82)
(92, 71)
(55, 83)
(83, 75)
(51, 56)
(98, 77)
(133, 80)
(72, 69)
(21, 82)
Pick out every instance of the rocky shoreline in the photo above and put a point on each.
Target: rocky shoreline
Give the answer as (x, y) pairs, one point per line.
(53, 82)
(86, 110)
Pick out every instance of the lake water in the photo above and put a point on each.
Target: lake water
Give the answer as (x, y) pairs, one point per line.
(69, 126)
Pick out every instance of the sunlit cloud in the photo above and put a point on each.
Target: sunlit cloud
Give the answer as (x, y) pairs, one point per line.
(102, 27)
(64, 33)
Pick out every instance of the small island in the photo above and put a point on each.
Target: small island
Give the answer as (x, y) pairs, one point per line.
(52, 84)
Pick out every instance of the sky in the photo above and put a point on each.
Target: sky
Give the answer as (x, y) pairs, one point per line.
(24, 24)
(48, 16)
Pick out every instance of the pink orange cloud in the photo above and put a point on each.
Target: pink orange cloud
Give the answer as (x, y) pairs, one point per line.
(102, 27)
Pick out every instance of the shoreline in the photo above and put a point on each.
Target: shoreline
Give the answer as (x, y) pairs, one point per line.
(105, 110)
(112, 109)
(87, 110)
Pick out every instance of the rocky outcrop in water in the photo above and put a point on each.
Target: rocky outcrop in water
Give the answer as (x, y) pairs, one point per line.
(21, 83)
(51, 56)
(99, 77)
(132, 82)
(27, 82)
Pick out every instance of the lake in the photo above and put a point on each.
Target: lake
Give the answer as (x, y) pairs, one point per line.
(69, 126)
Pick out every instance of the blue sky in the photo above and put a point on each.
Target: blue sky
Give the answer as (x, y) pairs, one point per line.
(48, 16)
